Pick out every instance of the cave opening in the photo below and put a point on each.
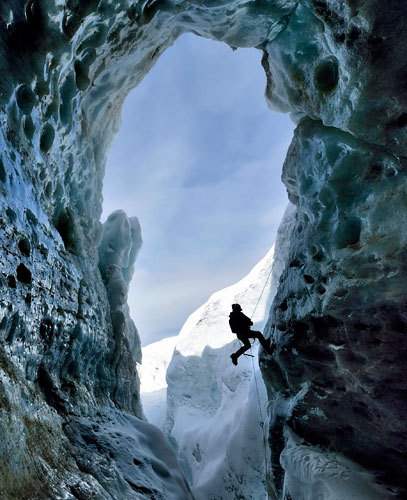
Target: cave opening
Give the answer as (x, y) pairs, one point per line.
(198, 160)
(337, 380)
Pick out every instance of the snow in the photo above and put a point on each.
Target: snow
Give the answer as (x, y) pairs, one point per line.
(152, 373)
(213, 411)
(128, 455)
(218, 428)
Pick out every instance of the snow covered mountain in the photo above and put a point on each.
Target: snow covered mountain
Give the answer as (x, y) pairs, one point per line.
(215, 411)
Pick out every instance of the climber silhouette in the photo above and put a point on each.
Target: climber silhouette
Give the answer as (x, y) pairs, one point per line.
(240, 324)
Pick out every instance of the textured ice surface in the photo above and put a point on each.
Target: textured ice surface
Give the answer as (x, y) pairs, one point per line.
(312, 474)
(336, 316)
(118, 248)
(126, 455)
(68, 347)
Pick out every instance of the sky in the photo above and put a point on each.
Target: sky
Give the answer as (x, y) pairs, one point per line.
(198, 160)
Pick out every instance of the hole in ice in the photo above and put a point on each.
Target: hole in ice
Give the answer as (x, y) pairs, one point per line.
(348, 232)
(65, 225)
(24, 274)
(160, 469)
(3, 175)
(28, 127)
(295, 263)
(11, 214)
(81, 75)
(198, 160)
(308, 279)
(47, 138)
(326, 75)
(374, 172)
(11, 281)
(24, 246)
(30, 216)
(399, 122)
(284, 305)
(25, 98)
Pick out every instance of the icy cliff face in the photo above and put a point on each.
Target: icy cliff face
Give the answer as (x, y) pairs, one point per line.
(339, 314)
(68, 349)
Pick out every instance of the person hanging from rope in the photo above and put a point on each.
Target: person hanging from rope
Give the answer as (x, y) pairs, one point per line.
(240, 324)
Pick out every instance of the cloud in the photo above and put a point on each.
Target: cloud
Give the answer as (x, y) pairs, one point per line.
(198, 159)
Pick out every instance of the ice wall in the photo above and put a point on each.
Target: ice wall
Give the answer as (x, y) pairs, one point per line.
(339, 315)
(68, 349)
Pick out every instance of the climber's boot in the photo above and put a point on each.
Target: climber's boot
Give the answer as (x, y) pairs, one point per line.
(266, 344)
(270, 349)
(233, 357)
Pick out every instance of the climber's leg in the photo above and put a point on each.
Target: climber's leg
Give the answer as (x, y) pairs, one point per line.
(245, 347)
(259, 336)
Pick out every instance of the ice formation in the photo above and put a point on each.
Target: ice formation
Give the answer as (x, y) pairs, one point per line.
(69, 351)
(312, 474)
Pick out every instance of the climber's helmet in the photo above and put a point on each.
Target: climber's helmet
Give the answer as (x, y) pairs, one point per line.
(236, 307)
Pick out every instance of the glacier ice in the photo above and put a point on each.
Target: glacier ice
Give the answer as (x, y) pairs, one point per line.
(312, 474)
(335, 317)
(127, 455)
(69, 349)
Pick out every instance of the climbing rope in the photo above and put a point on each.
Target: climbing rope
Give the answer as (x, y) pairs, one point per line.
(261, 294)
(262, 420)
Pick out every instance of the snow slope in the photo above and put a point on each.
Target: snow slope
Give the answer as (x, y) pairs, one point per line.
(126, 454)
(214, 410)
(153, 383)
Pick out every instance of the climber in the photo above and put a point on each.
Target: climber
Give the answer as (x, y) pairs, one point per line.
(240, 325)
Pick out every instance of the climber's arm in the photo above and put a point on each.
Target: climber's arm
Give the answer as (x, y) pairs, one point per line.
(247, 319)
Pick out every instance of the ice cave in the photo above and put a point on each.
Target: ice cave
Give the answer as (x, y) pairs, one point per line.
(73, 421)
